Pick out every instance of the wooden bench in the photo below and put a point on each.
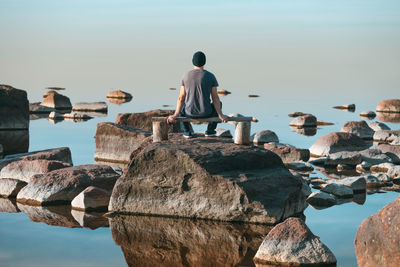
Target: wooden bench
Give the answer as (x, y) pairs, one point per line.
(242, 131)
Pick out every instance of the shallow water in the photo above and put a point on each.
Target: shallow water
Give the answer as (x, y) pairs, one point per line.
(298, 57)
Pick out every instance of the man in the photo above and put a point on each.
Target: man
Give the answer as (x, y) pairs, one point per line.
(194, 97)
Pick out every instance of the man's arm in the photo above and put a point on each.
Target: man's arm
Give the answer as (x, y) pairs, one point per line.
(179, 104)
(217, 104)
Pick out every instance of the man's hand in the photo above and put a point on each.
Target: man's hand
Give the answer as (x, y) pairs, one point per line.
(171, 119)
(223, 118)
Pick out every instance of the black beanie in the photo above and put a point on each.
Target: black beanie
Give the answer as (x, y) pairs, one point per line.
(199, 59)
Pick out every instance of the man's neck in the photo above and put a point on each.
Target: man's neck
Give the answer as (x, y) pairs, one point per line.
(199, 68)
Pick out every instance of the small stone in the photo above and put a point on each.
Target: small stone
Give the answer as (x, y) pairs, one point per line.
(223, 133)
(10, 187)
(265, 136)
(55, 100)
(372, 181)
(93, 106)
(368, 114)
(297, 114)
(223, 92)
(121, 94)
(300, 166)
(338, 190)
(321, 199)
(349, 107)
(304, 121)
(92, 198)
(359, 128)
(378, 126)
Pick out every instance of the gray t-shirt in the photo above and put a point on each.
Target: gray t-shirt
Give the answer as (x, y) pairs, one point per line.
(198, 86)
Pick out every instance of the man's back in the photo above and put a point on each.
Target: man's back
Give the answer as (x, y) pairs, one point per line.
(198, 85)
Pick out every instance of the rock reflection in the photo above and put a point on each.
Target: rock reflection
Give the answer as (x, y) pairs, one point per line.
(158, 241)
(119, 101)
(51, 215)
(307, 131)
(8, 205)
(14, 141)
(92, 113)
(38, 116)
(388, 116)
(92, 220)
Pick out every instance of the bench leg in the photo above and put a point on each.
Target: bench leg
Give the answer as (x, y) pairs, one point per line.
(242, 133)
(160, 131)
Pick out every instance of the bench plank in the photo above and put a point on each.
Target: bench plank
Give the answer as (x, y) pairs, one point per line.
(212, 119)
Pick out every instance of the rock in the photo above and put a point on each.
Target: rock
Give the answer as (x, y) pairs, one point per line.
(391, 106)
(63, 185)
(338, 190)
(388, 136)
(321, 199)
(115, 143)
(254, 96)
(291, 243)
(391, 151)
(297, 114)
(357, 184)
(375, 156)
(74, 116)
(10, 187)
(363, 166)
(307, 131)
(92, 220)
(14, 109)
(359, 128)
(210, 179)
(289, 154)
(223, 92)
(304, 121)
(8, 205)
(223, 133)
(265, 136)
(57, 101)
(382, 167)
(300, 166)
(343, 157)
(55, 116)
(335, 142)
(394, 172)
(24, 169)
(378, 126)
(143, 120)
(372, 181)
(92, 198)
(119, 94)
(51, 215)
(377, 239)
(368, 114)
(349, 107)
(36, 108)
(324, 123)
(388, 117)
(158, 241)
(93, 106)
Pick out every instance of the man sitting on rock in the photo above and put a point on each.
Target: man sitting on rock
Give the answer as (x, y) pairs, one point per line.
(194, 97)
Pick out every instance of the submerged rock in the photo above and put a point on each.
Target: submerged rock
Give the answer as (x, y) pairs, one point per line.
(210, 179)
(291, 243)
(307, 120)
(321, 199)
(289, 154)
(92, 198)
(157, 241)
(14, 108)
(119, 94)
(115, 143)
(92, 106)
(63, 185)
(359, 128)
(10, 187)
(377, 239)
(378, 126)
(55, 100)
(265, 136)
(390, 105)
(335, 142)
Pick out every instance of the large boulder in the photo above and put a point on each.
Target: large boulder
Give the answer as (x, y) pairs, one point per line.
(307, 120)
(265, 136)
(289, 154)
(10, 187)
(14, 108)
(90, 106)
(157, 241)
(56, 100)
(391, 105)
(291, 243)
(335, 142)
(143, 120)
(63, 185)
(119, 94)
(377, 239)
(359, 128)
(23, 169)
(115, 143)
(210, 179)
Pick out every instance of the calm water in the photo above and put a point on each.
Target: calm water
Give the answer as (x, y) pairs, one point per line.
(297, 56)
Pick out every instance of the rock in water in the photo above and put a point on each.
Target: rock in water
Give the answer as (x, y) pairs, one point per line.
(291, 243)
(265, 136)
(205, 178)
(338, 190)
(391, 106)
(377, 239)
(55, 100)
(61, 186)
(388, 116)
(389, 136)
(115, 143)
(378, 126)
(14, 108)
(307, 120)
(119, 94)
(350, 107)
(392, 151)
(359, 128)
(368, 113)
(93, 106)
(321, 199)
(289, 154)
(335, 142)
(36, 108)
(10, 187)
(143, 120)
(92, 198)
